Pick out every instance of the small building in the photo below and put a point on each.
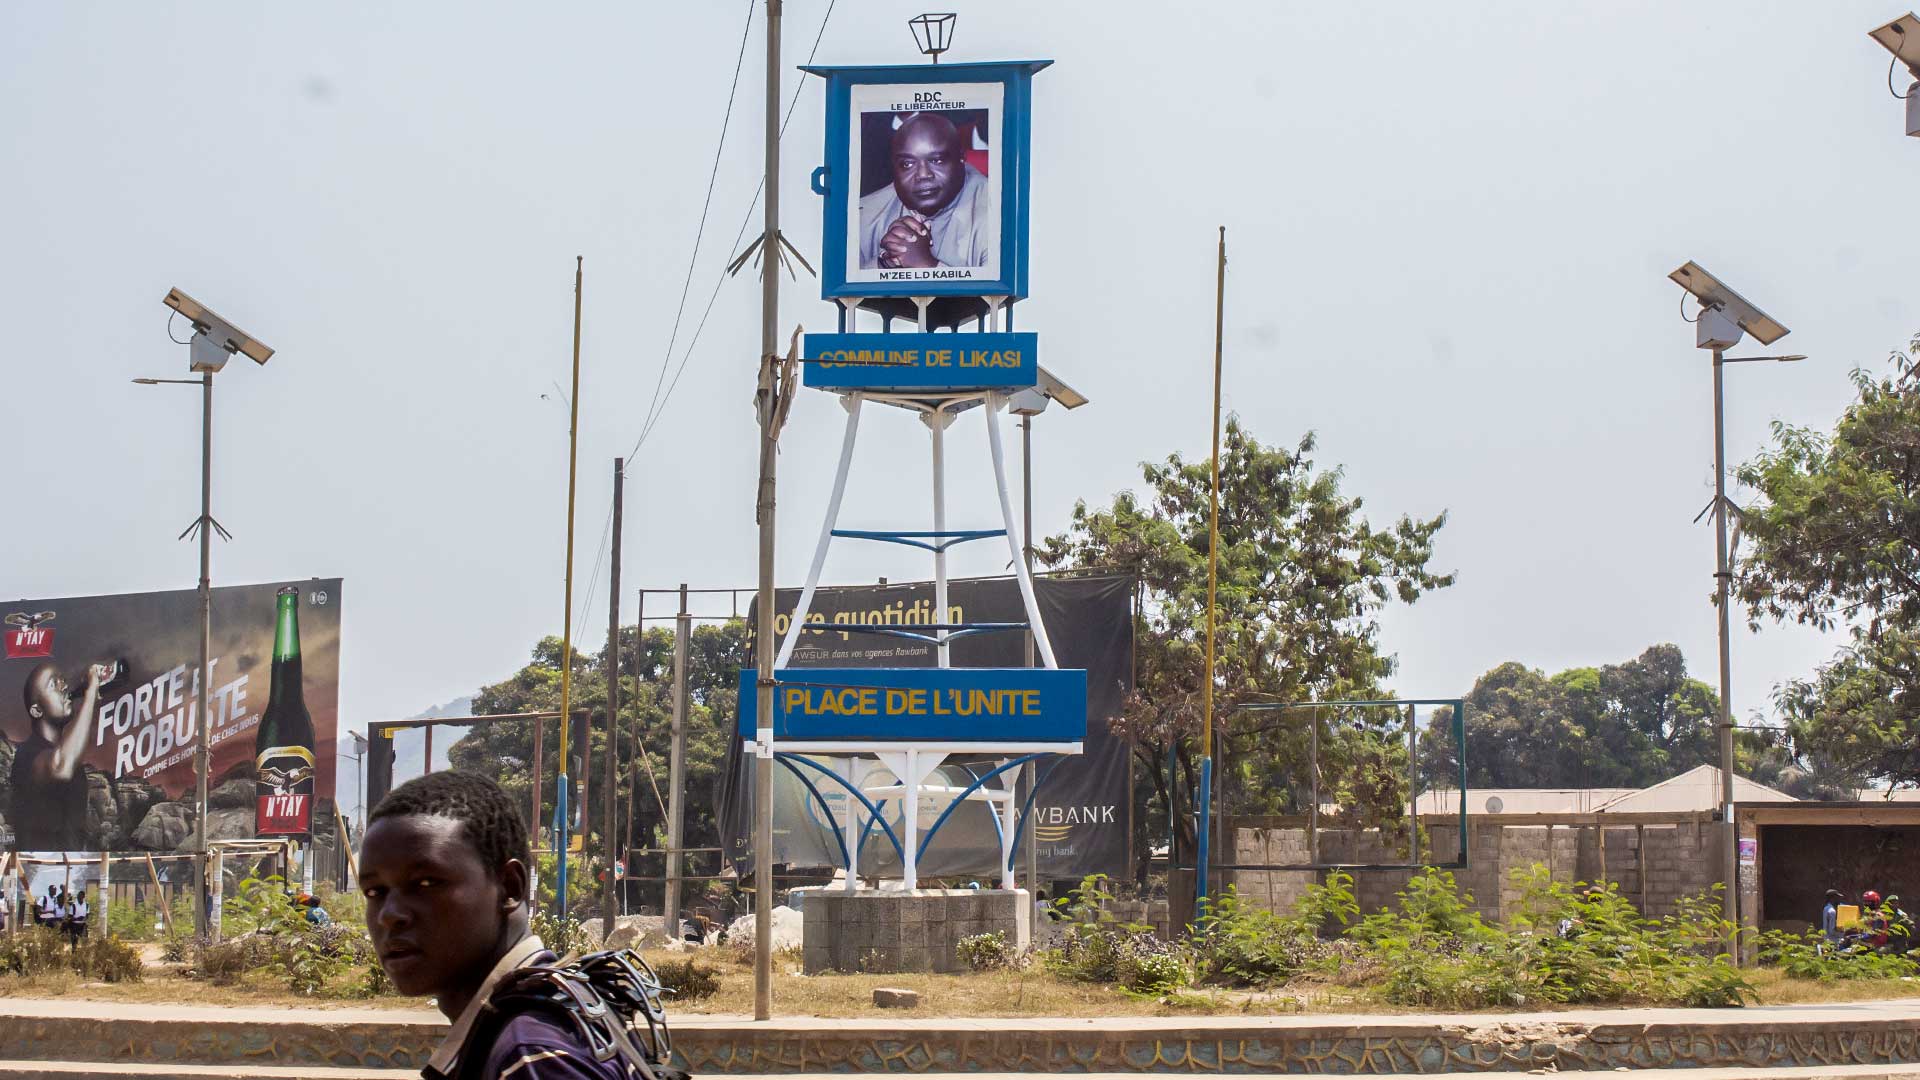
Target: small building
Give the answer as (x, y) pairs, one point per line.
(1791, 854)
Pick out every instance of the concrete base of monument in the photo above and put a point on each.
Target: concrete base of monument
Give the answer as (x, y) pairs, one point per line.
(883, 931)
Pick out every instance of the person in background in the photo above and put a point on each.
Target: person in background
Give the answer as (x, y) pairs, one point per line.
(77, 918)
(6, 912)
(1830, 916)
(48, 909)
(316, 914)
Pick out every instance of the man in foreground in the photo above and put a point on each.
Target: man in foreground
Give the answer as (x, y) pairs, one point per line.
(444, 868)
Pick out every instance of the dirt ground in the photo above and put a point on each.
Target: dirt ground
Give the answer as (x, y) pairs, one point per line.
(988, 994)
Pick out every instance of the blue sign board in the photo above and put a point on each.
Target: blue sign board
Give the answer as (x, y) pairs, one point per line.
(953, 361)
(923, 704)
(926, 179)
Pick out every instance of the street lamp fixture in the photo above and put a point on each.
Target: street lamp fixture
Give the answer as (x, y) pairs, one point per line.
(933, 33)
(1725, 317)
(1901, 37)
(214, 339)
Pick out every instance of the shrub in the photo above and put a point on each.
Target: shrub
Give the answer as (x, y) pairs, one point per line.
(34, 950)
(1811, 956)
(1238, 944)
(564, 934)
(108, 959)
(988, 952)
(687, 980)
(1096, 947)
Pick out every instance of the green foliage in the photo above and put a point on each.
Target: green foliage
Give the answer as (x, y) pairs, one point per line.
(270, 933)
(1621, 725)
(108, 959)
(33, 950)
(1098, 948)
(1238, 944)
(1832, 544)
(504, 751)
(1812, 956)
(988, 952)
(687, 980)
(563, 934)
(1302, 578)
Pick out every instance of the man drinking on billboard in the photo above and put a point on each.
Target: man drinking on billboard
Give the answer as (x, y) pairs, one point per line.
(49, 811)
(939, 209)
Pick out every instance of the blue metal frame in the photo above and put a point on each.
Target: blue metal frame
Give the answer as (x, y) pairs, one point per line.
(978, 781)
(1020, 826)
(948, 538)
(898, 848)
(836, 179)
(838, 837)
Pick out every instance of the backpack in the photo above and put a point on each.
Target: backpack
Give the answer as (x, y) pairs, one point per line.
(603, 996)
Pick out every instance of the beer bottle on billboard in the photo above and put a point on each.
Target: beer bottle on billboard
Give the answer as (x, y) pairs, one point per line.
(283, 744)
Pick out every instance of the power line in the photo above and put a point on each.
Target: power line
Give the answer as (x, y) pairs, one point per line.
(713, 175)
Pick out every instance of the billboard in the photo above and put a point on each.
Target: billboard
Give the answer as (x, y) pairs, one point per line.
(926, 179)
(916, 362)
(100, 706)
(1080, 818)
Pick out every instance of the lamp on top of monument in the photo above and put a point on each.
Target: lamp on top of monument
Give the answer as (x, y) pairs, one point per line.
(933, 33)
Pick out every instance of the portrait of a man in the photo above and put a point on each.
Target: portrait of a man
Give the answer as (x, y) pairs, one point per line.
(934, 206)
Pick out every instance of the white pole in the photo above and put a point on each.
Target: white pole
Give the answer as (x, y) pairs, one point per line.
(852, 826)
(994, 403)
(938, 420)
(910, 833)
(805, 606)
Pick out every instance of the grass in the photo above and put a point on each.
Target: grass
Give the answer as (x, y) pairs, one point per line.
(991, 994)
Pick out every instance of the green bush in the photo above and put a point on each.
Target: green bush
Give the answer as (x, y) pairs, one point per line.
(1811, 956)
(988, 952)
(34, 950)
(563, 934)
(1237, 944)
(107, 958)
(1098, 948)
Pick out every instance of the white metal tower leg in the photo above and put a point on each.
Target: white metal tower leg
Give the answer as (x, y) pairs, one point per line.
(856, 822)
(938, 420)
(805, 606)
(994, 403)
(1008, 812)
(911, 767)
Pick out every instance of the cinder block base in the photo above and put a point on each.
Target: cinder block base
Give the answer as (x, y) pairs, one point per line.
(886, 931)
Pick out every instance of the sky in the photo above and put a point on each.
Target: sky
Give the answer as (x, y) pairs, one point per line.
(1449, 231)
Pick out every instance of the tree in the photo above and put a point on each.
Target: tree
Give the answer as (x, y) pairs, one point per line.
(504, 750)
(1621, 725)
(1835, 542)
(1302, 577)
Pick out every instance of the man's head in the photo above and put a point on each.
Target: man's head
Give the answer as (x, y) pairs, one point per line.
(929, 162)
(444, 869)
(48, 698)
(1835, 896)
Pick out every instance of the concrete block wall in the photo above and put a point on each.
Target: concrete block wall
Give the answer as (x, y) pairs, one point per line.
(885, 930)
(1679, 860)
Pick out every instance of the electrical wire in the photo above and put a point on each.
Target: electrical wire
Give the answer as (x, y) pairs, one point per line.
(713, 175)
(1683, 310)
(1891, 64)
(656, 410)
(170, 317)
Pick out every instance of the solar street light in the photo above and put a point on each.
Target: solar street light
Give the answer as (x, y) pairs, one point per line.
(1901, 37)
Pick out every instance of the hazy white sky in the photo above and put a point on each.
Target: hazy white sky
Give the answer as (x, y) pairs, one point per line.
(1450, 226)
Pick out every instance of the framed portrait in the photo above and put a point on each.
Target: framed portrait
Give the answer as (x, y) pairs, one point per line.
(926, 180)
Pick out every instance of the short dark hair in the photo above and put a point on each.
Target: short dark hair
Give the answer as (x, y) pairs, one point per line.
(484, 809)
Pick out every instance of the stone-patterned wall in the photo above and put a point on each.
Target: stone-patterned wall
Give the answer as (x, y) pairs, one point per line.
(884, 930)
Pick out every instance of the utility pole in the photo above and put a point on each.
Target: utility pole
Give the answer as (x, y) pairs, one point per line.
(768, 403)
(611, 842)
(560, 821)
(1213, 581)
(676, 769)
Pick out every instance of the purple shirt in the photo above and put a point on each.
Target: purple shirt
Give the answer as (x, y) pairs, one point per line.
(532, 1046)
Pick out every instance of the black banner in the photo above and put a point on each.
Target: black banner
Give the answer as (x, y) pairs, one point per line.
(1080, 817)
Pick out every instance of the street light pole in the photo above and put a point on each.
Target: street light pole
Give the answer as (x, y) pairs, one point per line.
(1729, 831)
(202, 730)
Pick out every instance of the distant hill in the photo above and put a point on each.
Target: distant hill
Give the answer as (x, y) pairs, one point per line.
(409, 755)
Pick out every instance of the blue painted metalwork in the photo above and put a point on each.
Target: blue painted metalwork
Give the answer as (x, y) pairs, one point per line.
(921, 851)
(975, 705)
(838, 836)
(922, 362)
(947, 538)
(1020, 826)
(899, 849)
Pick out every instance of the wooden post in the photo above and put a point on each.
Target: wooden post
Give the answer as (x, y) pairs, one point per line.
(1640, 837)
(166, 902)
(1600, 831)
(346, 848)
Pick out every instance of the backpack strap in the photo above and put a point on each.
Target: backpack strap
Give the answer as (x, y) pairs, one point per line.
(600, 997)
